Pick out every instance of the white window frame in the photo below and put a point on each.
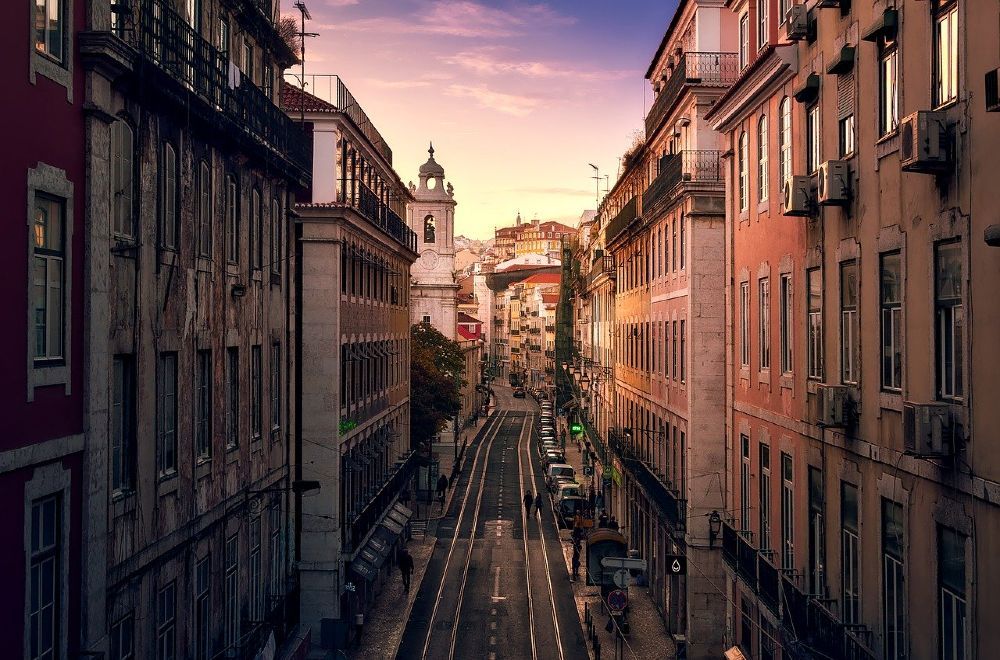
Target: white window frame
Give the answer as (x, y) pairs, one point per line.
(946, 53)
(203, 609)
(785, 323)
(763, 27)
(58, 70)
(232, 221)
(123, 639)
(784, 140)
(888, 86)
(814, 150)
(895, 645)
(204, 204)
(744, 482)
(951, 330)
(276, 554)
(231, 595)
(51, 256)
(166, 622)
(764, 323)
(276, 225)
(256, 586)
(762, 146)
(849, 328)
(122, 180)
(203, 407)
(275, 388)
(787, 512)
(764, 496)
(745, 324)
(891, 321)
(850, 564)
(744, 52)
(255, 391)
(744, 184)
(166, 414)
(232, 397)
(814, 325)
(123, 424)
(169, 218)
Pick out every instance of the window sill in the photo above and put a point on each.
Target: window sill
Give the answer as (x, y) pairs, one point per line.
(762, 206)
(887, 144)
(202, 468)
(56, 71)
(168, 484)
(203, 265)
(786, 381)
(122, 502)
(888, 400)
(276, 279)
(812, 384)
(764, 377)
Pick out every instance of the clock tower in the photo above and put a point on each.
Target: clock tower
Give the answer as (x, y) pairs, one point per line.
(431, 215)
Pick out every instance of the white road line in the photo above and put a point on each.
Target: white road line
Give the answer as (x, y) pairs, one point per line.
(524, 537)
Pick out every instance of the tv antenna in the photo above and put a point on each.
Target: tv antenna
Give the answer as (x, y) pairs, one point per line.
(303, 35)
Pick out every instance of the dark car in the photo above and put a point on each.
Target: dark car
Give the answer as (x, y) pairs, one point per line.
(519, 393)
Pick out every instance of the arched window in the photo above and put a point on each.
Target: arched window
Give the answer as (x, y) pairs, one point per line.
(429, 229)
(122, 177)
(743, 171)
(762, 159)
(784, 140)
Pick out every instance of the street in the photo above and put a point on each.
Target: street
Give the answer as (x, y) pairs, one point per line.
(500, 587)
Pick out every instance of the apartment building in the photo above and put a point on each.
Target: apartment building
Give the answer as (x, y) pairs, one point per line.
(42, 459)
(354, 436)
(862, 495)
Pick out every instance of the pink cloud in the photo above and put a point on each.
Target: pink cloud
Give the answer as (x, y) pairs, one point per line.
(461, 18)
(490, 61)
(509, 104)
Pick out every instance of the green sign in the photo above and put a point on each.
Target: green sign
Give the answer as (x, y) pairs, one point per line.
(576, 428)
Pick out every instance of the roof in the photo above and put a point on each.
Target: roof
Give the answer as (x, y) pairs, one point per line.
(550, 298)
(666, 37)
(544, 278)
(295, 99)
(467, 318)
(552, 224)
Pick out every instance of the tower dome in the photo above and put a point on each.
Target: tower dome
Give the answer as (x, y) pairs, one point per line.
(431, 167)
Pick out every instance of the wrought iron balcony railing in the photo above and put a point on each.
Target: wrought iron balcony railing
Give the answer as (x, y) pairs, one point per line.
(673, 508)
(382, 216)
(694, 69)
(625, 217)
(689, 166)
(177, 63)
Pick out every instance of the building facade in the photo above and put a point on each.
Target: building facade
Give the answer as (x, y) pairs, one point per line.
(354, 248)
(191, 168)
(862, 500)
(42, 384)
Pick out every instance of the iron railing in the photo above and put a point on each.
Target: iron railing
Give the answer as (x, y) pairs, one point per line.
(625, 217)
(330, 88)
(382, 216)
(673, 508)
(694, 69)
(689, 166)
(369, 516)
(190, 67)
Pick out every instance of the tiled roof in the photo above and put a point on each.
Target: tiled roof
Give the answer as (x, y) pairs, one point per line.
(467, 318)
(544, 278)
(550, 298)
(295, 99)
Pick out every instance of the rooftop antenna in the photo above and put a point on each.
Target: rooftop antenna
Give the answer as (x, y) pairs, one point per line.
(303, 35)
(597, 183)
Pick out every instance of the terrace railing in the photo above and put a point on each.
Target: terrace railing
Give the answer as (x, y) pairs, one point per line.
(693, 69)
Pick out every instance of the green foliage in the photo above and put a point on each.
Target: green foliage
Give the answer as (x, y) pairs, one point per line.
(347, 425)
(437, 366)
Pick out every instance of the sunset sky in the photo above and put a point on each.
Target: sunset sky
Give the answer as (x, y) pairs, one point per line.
(518, 98)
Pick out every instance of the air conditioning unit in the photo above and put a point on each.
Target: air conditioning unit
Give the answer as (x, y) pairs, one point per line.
(797, 23)
(834, 404)
(798, 196)
(926, 429)
(834, 186)
(923, 143)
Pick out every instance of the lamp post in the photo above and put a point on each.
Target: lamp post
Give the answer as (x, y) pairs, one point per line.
(714, 527)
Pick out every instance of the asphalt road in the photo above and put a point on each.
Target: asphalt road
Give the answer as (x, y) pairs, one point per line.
(498, 588)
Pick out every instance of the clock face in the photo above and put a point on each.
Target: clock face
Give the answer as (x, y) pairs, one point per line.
(429, 259)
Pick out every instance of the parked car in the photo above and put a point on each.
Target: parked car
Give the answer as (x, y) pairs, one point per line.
(548, 445)
(557, 472)
(519, 393)
(553, 456)
(568, 489)
(568, 507)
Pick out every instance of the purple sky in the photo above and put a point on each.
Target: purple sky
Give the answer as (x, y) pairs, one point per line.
(517, 97)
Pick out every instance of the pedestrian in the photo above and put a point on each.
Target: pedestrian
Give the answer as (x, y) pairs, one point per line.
(405, 568)
(442, 485)
(528, 499)
(576, 562)
(359, 626)
(577, 534)
(538, 503)
(613, 523)
(603, 520)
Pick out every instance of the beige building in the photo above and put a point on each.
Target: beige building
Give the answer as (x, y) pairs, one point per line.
(355, 252)
(863, 487)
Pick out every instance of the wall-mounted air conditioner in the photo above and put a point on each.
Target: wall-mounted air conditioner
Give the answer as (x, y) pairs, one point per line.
(796, 23)
(834, 405)
(927, 429)
(834, 184)
(923, 143)
(797, 201)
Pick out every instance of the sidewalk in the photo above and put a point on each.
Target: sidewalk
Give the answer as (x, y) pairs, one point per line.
(647, 638)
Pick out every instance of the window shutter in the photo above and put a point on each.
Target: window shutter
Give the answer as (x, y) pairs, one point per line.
(845, 95)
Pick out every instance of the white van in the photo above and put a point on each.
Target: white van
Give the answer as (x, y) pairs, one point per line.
(559, 472)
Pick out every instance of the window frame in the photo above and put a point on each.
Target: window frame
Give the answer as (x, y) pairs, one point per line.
(166, 433)
(256, 393)
(745, 476)
(763, 24)
(744, 182)
(51, 257)
(58, 70)
(203, 641)
(762, 160)
(764, 496)
(275, 388)
(891, 324)
(232, 397)
(276, 233)
(850, 367)
(949, 313)
(785, 328)
(850, 553)
(203, 408)
(888, 86)
(814, 138)
(895, 644)
(945, 87)
(744, 45)
(203, 205)
(784, 140)
(952, 598)
(119, 186)
(787, 511)
(166, 622)
(38, 554)
(764, 323)
(745, 324)
(122, 639)
(231, 593)
(232, 211)
(814, 324)
(123, 425)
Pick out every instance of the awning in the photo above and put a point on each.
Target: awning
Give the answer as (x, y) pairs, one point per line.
(364, 569)
(843, 61)
(885, 25)
(808, 90)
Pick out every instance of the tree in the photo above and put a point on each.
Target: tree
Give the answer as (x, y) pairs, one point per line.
(436, 369)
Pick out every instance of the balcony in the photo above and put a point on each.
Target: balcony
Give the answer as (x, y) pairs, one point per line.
(624, 218)
(686, 167)
(382, 216)
(177, 65)
(602, 266)
(550, 328)
(718, 70)
(673, 508)
(358, 527)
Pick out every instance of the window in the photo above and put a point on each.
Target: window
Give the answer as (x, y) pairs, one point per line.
(231, 621)
(813, 151)
(888, 91)
(787, 513)
(814, 321)
(256, 590)
(850, 553)
(784, 140)
(674, 244)
(764, 496)
(950, 319)
(681, 222)
(745, 482)
(891, 295)
(683, 351)
(764, 323)
(204, 210)
(48, 283)
(846, 135)
(945, 52)
(673, 357)
(46, 579)
(783, 7)
(745, 324)
(762, 23)
(426, 319)
(122, 173)
(276, 236)
(121, 638)
(893, 574)
(849, 322)
(248, 59)
(275, 387)
(255, 392)
(762, 154)
(232, 397)
(429, 229)
(744, 184)
(224, 34)
(203, 405)
(166, 615)
(787, 314)
(256, 229)
(122, 423)
(166, 423)
(277, 565)
(744, 41)
(50, 23)
(203, 609)
(817, 532)
(232, 222)
(169, 218)
(951, 588)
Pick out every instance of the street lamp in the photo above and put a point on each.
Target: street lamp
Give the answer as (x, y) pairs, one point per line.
(714, 527)
(585, 383)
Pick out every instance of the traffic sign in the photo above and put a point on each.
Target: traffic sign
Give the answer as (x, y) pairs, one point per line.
(617, 601)
(621, 578)
(676, 564)
(588, 470)
(350, 587)
(624, 562)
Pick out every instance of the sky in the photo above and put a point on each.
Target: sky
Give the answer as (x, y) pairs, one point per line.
(517, 97)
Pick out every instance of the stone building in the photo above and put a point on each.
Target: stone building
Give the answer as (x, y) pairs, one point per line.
(863, 489)
(42, 384)
(191, 168)
(355, 250)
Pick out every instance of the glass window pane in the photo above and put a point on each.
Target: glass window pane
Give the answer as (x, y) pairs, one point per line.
(948, 270)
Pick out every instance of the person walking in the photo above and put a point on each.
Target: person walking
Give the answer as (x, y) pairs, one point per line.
(576, 562)
(528, 499)
(538, 503)
(405, 568)
(613, 523)
(442, 486)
